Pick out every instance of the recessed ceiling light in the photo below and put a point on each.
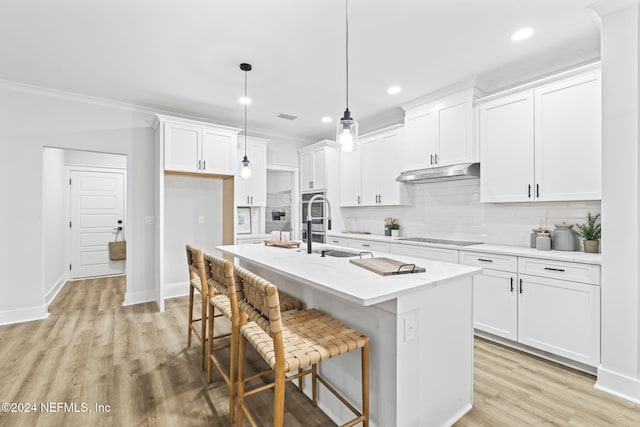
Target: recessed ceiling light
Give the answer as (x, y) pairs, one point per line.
(326, 119)
(522, 34)
(393, 90)
(244, 100)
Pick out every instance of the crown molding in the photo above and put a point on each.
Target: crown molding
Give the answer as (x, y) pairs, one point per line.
(606, 7)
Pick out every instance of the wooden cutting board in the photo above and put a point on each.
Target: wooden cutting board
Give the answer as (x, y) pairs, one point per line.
(282, 244)
(387, 266)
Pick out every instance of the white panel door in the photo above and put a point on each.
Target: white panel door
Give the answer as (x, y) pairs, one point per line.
(372, 161)
(560, 317)
(350, 178)
(217, 151)
(390, 147)
(506, 149)
(320, 168)
(97, 204)
(495, 303)
(568, 140)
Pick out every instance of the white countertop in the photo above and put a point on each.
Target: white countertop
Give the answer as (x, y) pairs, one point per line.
(339, 277)
(570, 256)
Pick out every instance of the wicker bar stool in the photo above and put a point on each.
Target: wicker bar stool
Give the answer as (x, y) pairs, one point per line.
(196, 279)
(293, 342)
(220, 276)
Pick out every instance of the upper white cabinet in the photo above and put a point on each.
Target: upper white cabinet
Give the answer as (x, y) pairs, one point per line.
(252, 191)
(314, 166)
(543, 143)
(368, 175)
(440, 132)
(196, 147)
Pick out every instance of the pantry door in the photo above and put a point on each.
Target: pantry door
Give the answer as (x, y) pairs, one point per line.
(96, 211)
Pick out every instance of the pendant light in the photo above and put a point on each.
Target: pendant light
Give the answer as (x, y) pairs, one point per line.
(347, 132)
(245, 172)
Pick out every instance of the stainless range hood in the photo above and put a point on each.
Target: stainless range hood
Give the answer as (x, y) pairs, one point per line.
(442, 173)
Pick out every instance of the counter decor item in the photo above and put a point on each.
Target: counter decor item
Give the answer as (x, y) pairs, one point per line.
(543, 241)
(591, 232)
(391, 224)
(534, 235)
(563, 238)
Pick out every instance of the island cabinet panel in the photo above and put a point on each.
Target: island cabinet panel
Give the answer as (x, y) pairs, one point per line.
(543, 143)
(560, 317)
(439, 254)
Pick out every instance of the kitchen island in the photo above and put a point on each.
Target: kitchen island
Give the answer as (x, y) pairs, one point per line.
(420, 328)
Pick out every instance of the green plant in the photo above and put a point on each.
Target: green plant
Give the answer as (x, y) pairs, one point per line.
(394, 226)
(592, 230)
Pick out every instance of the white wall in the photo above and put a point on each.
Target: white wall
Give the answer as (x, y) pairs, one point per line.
(90, 158)
(53, 221)
(278, 181)
(30, 121)
(193, 213)
(619, 371)
(453, 210)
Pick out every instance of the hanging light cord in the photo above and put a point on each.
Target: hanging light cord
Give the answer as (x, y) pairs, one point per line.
(346, 7)
(245, 115)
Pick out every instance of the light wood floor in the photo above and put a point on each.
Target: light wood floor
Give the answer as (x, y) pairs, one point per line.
(92, 350)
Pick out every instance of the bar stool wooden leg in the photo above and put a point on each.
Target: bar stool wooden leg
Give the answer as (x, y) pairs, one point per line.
(203, 330)
(365, 384)
(242, 352)
(278, 397)
(210, 347)
(314, 384)
(190, 316)
(233, 374)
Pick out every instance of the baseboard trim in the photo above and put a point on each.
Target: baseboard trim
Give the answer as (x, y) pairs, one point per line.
(619, 385)
(24, 315)
(176, 289)
(55, 290)
(133, 298)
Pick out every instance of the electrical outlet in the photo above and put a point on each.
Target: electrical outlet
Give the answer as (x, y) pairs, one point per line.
(409, 327)
(200, 219)
(542, 221)
(149, 220)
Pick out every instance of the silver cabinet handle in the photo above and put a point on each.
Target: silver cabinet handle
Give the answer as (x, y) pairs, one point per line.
(204, 165)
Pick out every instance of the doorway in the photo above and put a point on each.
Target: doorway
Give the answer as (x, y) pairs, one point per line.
(282, 210)
(97, 205)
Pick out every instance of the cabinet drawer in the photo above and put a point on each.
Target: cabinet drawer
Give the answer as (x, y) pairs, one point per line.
(488, 260)
(366, 245)
(438, 254)
(573, 271)
(336, 241)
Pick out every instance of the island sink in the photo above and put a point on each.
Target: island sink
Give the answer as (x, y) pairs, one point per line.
(335, 253)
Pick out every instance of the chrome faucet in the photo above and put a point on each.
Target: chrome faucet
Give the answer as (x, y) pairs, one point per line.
(310, 218)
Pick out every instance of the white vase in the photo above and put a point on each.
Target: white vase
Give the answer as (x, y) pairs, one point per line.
(395, 233)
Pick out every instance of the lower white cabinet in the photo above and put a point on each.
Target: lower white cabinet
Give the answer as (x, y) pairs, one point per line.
(495, 303)
(560, 317)
(437, 254)
(548, 310)
(337, 241)
(367, 245)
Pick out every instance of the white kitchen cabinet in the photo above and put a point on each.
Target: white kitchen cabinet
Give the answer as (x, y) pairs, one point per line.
(195, 147)
(252, 191)
(351, 178)
(378, 160)
(560, 317)
(314, 166)
(549, 305)
(426, 252)
(440, 132)
(543, 143)
(337, 241)
(495, 303)
(367, 245)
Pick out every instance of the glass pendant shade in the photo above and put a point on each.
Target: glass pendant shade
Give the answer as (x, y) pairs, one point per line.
(347, 133)
(245, 172)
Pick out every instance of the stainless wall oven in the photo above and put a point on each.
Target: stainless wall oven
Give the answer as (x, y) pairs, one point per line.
(318, 226)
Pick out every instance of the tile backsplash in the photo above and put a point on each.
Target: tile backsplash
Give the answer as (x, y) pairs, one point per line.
(278, 212)
(453, 210)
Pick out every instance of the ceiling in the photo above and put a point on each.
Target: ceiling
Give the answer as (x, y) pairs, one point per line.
(183, 56)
